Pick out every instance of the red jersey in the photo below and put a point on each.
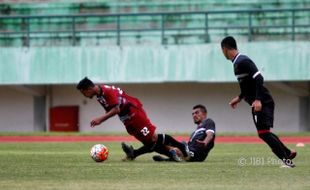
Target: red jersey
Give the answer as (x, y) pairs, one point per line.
(131, 112)
(111, 96)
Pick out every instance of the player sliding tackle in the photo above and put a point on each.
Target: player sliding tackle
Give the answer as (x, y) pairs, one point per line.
(201, 140)
(129, 109)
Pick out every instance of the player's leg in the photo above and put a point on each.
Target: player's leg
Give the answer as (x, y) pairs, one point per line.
(291, 154)
(172, 153)
(264, 121)
(132, 153)
(287, 151)
(273, 143)
(148, 140)
(167, 140)
(162, 139)
(277, 148)
(142, 129)
(139, 126)
(150, 145)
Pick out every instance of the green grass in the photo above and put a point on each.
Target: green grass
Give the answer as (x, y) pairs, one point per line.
(62, 166)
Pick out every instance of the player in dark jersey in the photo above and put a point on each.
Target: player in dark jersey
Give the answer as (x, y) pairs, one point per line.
(129, 109)
(201, 140)
(258, 97)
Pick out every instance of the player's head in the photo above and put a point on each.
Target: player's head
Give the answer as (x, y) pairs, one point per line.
(228, 43)
(199, 113)
(86, 87)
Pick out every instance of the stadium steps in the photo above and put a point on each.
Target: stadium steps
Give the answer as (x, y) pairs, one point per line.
(139, 6)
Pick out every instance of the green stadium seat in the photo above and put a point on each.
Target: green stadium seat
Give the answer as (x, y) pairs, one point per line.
(215, 21)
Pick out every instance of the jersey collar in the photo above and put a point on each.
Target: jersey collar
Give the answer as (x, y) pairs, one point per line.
(235, 58)
(100, 91)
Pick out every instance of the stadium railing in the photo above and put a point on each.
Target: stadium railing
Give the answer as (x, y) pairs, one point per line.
(165, 27)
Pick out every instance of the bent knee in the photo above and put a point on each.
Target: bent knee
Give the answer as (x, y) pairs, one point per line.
(264, 135)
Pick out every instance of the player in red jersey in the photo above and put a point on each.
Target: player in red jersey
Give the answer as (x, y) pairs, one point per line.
(129, 109)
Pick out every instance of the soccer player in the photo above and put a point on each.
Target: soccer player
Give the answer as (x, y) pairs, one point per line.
(258, 97)
(201, 140)
(129, 109)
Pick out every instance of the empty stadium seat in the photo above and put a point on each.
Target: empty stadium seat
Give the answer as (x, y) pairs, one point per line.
(236, 23)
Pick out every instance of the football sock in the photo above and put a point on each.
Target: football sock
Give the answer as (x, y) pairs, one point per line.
(162, 149)
(170, 141)
(287, 151)
(142, 150)
(275, 144)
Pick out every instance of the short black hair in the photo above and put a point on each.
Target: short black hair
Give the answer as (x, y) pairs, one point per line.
(201, 107)
(229, 42)
(85, 84)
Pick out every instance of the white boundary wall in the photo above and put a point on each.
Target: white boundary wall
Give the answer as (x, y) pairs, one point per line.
(168, 106)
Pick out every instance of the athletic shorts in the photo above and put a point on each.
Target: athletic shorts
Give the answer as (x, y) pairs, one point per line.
(199, 154)
(139, 126)
(264, 119)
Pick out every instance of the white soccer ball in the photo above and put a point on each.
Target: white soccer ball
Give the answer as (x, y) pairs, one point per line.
(99, 152)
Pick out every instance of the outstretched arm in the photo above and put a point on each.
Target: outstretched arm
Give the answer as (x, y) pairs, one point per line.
(207, 140)
(97, 121)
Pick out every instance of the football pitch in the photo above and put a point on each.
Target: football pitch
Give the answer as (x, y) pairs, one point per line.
(49, 166)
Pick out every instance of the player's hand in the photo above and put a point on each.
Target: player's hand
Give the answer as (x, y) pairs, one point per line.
(95, 122)
(257, 105)
(201, 143)
(233, 103)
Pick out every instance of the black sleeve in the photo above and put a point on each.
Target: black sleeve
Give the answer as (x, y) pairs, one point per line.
(259, 86)
(209, 125)
(250, 68)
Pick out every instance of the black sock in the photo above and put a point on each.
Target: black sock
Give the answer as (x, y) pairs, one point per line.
(287, 151)
(170, 141)
(142, 150)
(275, 144)
(162, 149)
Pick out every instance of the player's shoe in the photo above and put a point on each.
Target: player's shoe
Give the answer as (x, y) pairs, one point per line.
(129, 152)
(287, 163)
(292, 155)
(159, 158)
(175, 156)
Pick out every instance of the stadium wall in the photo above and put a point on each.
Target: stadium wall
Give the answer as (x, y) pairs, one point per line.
(279, 61)
(16, 111)
(168, 105)
(169, 80)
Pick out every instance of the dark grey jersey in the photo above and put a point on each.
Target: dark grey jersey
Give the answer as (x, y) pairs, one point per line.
(250, 80)
(199, 152)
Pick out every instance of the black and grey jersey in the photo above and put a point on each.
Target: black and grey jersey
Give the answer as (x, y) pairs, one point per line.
(200, 134)
(250, 80)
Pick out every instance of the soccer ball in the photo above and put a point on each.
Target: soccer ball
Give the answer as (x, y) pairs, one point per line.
(99, 152)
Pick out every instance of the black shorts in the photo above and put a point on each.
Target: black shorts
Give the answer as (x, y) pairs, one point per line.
(199, 154)
(264, 119)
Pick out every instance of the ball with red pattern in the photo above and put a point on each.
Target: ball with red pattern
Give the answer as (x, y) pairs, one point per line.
(99, 152)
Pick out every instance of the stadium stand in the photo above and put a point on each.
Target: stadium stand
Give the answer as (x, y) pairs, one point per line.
(141, 28)
(137, 6)
(52, 24)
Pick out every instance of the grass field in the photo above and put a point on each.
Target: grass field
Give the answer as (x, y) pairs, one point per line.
(62, 166)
